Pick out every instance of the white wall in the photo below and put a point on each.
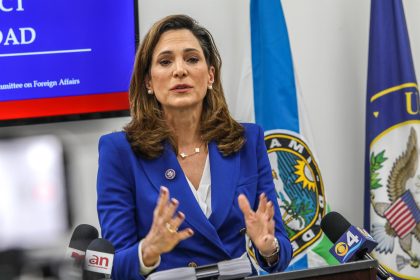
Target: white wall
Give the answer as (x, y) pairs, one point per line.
(329, 41)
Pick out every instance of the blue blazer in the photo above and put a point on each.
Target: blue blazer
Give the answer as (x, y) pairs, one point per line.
(128, 189)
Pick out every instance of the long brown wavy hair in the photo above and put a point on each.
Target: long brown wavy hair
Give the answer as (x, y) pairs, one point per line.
(147, 131)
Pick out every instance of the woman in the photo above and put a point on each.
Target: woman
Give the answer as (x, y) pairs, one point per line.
(184, 180)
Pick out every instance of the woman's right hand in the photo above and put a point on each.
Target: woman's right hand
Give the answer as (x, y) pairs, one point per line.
(164, 235)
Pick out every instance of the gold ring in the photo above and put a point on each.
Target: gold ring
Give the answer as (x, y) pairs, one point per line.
(170, 229)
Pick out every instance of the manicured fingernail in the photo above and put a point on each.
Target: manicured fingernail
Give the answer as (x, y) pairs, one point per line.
(163, 190)
(262, 195)
(174, 201)
(181, 215)
(190, 231)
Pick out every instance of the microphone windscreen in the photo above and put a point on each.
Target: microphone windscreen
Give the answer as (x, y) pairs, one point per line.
(101, 245)
(82, 236)
(334, 225)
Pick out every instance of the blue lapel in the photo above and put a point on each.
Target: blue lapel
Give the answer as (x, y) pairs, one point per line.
(178, 187)
(224, 177)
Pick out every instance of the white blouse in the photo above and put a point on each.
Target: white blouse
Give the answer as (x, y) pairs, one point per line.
(203, 193)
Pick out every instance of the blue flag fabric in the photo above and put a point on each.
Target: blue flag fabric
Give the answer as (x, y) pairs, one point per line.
(392, 147)
(272, 68)
(390, 67)
(278, 109)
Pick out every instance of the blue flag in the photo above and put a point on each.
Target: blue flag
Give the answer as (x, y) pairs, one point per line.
(278, 109)
(392, 199)
(272, 68)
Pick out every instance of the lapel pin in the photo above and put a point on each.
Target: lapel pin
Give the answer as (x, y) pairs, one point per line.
(170, 174)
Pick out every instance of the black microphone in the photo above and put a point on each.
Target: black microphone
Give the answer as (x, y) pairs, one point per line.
(99, 259)
(75, 255)
(82, 236)
(335, 227)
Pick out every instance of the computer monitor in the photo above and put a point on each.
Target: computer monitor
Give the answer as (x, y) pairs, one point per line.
(65, 60)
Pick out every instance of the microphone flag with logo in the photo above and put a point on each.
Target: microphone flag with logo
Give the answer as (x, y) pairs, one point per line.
(99, 260)
(279, 110)
(350, 243)
(392, 167)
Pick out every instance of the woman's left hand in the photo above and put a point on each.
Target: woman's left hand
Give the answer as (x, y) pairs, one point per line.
(259, 224)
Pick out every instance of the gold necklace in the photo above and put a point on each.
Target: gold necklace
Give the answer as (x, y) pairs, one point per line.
(184, 155)
(196, 151)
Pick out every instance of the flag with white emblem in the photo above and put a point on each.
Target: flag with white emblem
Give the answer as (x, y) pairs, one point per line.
(279, 110)
(392, 200)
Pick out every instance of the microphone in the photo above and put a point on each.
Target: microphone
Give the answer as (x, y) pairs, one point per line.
(99, 259)
(350, 242)
(82, 235)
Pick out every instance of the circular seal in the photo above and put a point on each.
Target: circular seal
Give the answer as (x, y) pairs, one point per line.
(394, 168)
(341, 249)
(170, 174)
(299, 187)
